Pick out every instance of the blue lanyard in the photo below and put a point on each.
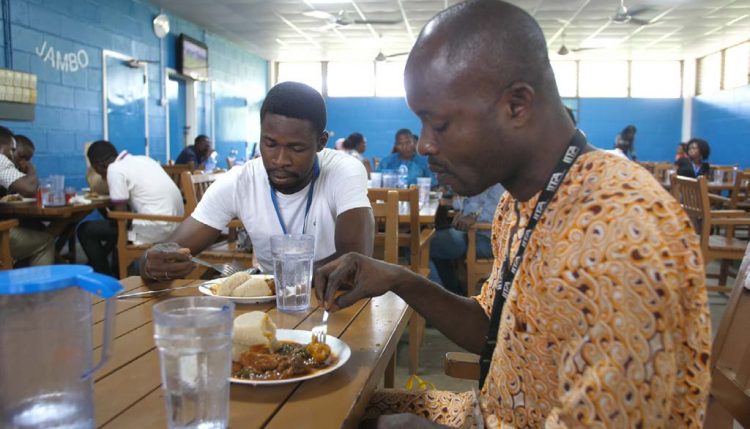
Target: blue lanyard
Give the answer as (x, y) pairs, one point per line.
(275, 200)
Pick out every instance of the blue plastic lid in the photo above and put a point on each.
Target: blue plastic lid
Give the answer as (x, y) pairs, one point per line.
(53, 277)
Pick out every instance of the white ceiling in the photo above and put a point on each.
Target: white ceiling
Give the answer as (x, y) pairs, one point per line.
(278, 30)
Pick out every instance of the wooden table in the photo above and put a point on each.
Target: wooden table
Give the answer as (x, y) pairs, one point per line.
(128, 391)
(59, 217)
(426, 213)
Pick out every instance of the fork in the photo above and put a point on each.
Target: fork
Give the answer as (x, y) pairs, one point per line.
(320, 331)
(225, 270)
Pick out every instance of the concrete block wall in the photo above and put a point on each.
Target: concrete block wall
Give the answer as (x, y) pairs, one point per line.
(69, 105)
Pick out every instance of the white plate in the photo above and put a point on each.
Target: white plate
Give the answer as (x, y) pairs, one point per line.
(339, 349)
(23, 201)
(205, 289)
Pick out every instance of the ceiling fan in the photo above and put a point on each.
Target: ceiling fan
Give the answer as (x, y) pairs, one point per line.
(380, 57)
(342, 20)
(565, 51)
(623, 15)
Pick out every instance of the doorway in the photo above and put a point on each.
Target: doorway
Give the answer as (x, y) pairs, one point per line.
(125, 95)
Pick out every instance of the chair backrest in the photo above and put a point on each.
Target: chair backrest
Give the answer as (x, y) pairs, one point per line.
(174, 171)
(384, 204)
(741, 190)
(693, 196)
(194, 187)
(6, 259)
(662, 171)
(723, 174)
(730, 358)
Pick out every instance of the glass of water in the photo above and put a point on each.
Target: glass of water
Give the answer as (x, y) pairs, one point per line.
(194, 337)
(292, 270)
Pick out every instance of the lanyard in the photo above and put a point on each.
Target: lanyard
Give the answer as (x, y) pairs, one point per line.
(508, 270)
(275, 200)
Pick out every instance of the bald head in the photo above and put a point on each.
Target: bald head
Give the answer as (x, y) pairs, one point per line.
(495, 42)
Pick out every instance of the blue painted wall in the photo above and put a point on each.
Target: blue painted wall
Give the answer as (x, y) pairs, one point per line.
(723, 119)
(659, 122)
(69, 104)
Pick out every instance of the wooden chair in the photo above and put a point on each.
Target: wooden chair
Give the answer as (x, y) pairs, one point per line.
(175, 172)
(194, 187)
(417, 240)
(662, 172)
(6, 259)
(723, 174)
(477, 269)
(730, 359)
(128, 252)
(694, 198)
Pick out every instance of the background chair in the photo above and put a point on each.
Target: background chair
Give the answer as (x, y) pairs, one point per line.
(175, 173)
(477, 269)
(6, 260)
(730, 359)
(694, 197)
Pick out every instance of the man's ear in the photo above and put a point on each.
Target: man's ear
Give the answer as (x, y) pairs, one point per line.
(322, 141)
(517, 102)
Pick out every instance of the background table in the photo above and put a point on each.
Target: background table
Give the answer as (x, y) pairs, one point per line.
(128, 389)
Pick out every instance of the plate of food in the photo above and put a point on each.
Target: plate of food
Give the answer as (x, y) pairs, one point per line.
(16, 199)
(263, 355)
(93, 196)
(242, 288)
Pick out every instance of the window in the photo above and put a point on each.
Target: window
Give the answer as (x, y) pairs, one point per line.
(603, 79)
(709, 73)
(566, 77)
(655, 79)
(307, 73)
(737, 66)
(351, 80)
(389, 79)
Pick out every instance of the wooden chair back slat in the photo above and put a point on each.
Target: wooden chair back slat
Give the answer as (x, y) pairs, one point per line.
(384, 204)
(195, 186)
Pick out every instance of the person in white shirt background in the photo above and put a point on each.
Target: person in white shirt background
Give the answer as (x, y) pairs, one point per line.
(136, 183)
(296, 186)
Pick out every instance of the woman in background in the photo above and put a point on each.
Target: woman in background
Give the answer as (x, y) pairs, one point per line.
(681, 152)
(355, 145)
(696, 163)
(627, 140)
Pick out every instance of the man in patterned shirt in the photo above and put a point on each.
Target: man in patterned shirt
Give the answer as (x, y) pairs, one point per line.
(38, 246)
(606, 323)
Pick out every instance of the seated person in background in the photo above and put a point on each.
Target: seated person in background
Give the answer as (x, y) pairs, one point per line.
(681, 152)
(198, 153)
(596, 314)
(24, 152)
(696, 163)
(38, 246)
(627, 136)
(355, 145)
(136, 183)
(97, 183)
(450, 244)
(295, 187)
(405, 153)
(620, 147)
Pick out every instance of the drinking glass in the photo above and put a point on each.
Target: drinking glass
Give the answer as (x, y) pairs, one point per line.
(292, 270)
(424, 184)
(194, 337)
(376, 180)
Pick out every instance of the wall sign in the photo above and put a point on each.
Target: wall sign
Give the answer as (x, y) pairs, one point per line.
(67, 62)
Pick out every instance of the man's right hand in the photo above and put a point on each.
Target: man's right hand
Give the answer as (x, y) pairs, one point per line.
(362, 276)
(167, 261)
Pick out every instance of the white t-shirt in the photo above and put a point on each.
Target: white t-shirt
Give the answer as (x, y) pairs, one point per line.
(148, 189)
(245, 193)
(617, 152)
(8, 172)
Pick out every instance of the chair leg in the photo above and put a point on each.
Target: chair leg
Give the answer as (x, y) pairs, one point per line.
(723, 272)
(416, 333)
(389, 378)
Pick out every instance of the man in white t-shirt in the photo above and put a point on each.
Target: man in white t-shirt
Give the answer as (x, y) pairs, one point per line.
(136, 183)
(295, 187)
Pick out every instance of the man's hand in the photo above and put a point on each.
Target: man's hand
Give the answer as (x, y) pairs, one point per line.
(166, 262)
(363, 276)
(464, 222)
(25, 167)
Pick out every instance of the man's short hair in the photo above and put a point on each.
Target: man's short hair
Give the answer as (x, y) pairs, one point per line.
(6, 136)
(403, 131)
(101, 151)
(202, 138)
(296, 100)
(24, 142)
(353, 141)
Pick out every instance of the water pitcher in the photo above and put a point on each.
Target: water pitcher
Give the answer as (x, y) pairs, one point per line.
(46, 353)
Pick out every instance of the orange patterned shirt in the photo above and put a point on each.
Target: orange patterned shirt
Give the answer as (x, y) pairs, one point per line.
(607, 323)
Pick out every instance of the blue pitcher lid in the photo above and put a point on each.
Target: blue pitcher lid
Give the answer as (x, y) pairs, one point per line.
(53, 277)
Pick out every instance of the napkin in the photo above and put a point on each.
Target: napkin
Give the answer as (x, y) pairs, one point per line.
(80, 199)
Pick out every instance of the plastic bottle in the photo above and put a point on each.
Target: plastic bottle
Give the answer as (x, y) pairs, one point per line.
(211, 161)
(403, 176)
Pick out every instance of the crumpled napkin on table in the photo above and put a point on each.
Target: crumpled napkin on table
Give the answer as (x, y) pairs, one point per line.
(80, 199)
